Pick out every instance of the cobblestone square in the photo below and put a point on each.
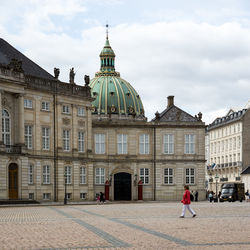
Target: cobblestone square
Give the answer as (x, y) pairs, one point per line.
(148, 225)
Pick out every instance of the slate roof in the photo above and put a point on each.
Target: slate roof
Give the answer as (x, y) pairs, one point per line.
(246, 171)
(174, 114)
(8, 52)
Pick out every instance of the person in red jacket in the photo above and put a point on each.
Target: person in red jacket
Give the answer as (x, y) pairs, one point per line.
(186, 202)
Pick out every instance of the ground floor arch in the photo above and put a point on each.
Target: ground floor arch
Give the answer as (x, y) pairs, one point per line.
(122, 186)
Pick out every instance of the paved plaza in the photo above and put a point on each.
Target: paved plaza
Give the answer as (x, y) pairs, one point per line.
(148, 225)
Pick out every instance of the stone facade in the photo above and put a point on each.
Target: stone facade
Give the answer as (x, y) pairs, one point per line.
(51, 137)
(228, 148)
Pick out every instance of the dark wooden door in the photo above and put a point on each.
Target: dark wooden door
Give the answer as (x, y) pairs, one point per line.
(122, 186)
(13, 181)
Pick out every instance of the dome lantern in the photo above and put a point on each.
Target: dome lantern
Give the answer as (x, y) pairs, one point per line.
(113, 95)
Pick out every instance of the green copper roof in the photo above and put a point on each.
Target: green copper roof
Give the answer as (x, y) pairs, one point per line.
(113, 95)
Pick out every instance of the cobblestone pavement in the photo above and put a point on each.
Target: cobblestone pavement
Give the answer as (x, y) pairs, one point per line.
(126, 226)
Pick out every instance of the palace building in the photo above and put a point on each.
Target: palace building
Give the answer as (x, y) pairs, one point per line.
(62, 140)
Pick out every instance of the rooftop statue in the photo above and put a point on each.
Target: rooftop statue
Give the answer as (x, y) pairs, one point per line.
(56, 73)
(86, 80)
(71, 76)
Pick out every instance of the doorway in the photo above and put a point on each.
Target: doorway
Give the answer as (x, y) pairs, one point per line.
(13, 181)
(122, 186)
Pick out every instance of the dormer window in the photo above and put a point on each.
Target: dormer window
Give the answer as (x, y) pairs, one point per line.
(112, 93)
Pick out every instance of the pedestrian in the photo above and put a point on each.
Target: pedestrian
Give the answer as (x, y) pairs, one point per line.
(219, 195)
(196, 195)
(192, 196)
(247, 195)
(186, 203)
(210, 196)
(102, 197)
(98, 199)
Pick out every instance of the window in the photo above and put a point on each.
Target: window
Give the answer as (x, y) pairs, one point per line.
(144, 144)
(68, 174)
(45, 106)
(66, 109)
(239, 142)
(6, 127)
(144, 175)
(46, 196)
(83, 196)
(168, 176)
(99, 175)
(28, 136)
(28, 103)
(81, 141)
(45, 138)
(168, 144)
(82, 175)
(46, 174)
(80, 111)
(234, 143)
(31, 196)
(30, 174)
(189, 175)
(100, 144)
(189, 144)
(66, 140)
(69, 196)
(122, 144)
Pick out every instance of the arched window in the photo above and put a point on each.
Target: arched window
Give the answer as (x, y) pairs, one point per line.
(6, 127)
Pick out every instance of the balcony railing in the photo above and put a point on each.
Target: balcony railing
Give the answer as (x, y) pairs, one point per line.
(11, 149)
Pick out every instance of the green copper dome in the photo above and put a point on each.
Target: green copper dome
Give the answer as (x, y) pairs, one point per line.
(113, 95)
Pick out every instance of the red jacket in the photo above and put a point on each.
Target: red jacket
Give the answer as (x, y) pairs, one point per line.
(186, 197)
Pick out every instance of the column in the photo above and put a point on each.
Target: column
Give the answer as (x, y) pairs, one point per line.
(21, 118)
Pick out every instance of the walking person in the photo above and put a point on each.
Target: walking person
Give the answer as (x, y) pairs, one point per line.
(210, 196)
(102, 197)
(247, 196)
(196, 195)
(186, 203)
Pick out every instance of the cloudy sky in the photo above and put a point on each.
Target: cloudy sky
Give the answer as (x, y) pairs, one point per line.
(198, 51)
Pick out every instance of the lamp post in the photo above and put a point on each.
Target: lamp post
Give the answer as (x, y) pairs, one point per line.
(216, 183)
(65, 188)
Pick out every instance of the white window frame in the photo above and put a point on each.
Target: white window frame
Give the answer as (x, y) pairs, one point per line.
(31, 174)
(28, 136)
(168, 144)
(45, 138)
(144, 175)
(83, 196)
(144, 144)
(122, 143)
(83, 175)
(168, 176)
(6, 127)
(65, 109)
(66, 140)
(68, 174)
(100, 176)
(190, 144)
(80, 111)
(100, 143)
(46, 174)
(46, 196)
(28, 103)
(45, 106)
(81, 138)
(190, 176)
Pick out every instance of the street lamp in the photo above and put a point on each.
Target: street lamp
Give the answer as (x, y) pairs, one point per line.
(65, 188)
(216, 181)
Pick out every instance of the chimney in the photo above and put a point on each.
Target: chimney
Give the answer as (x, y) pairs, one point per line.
(170, 100)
